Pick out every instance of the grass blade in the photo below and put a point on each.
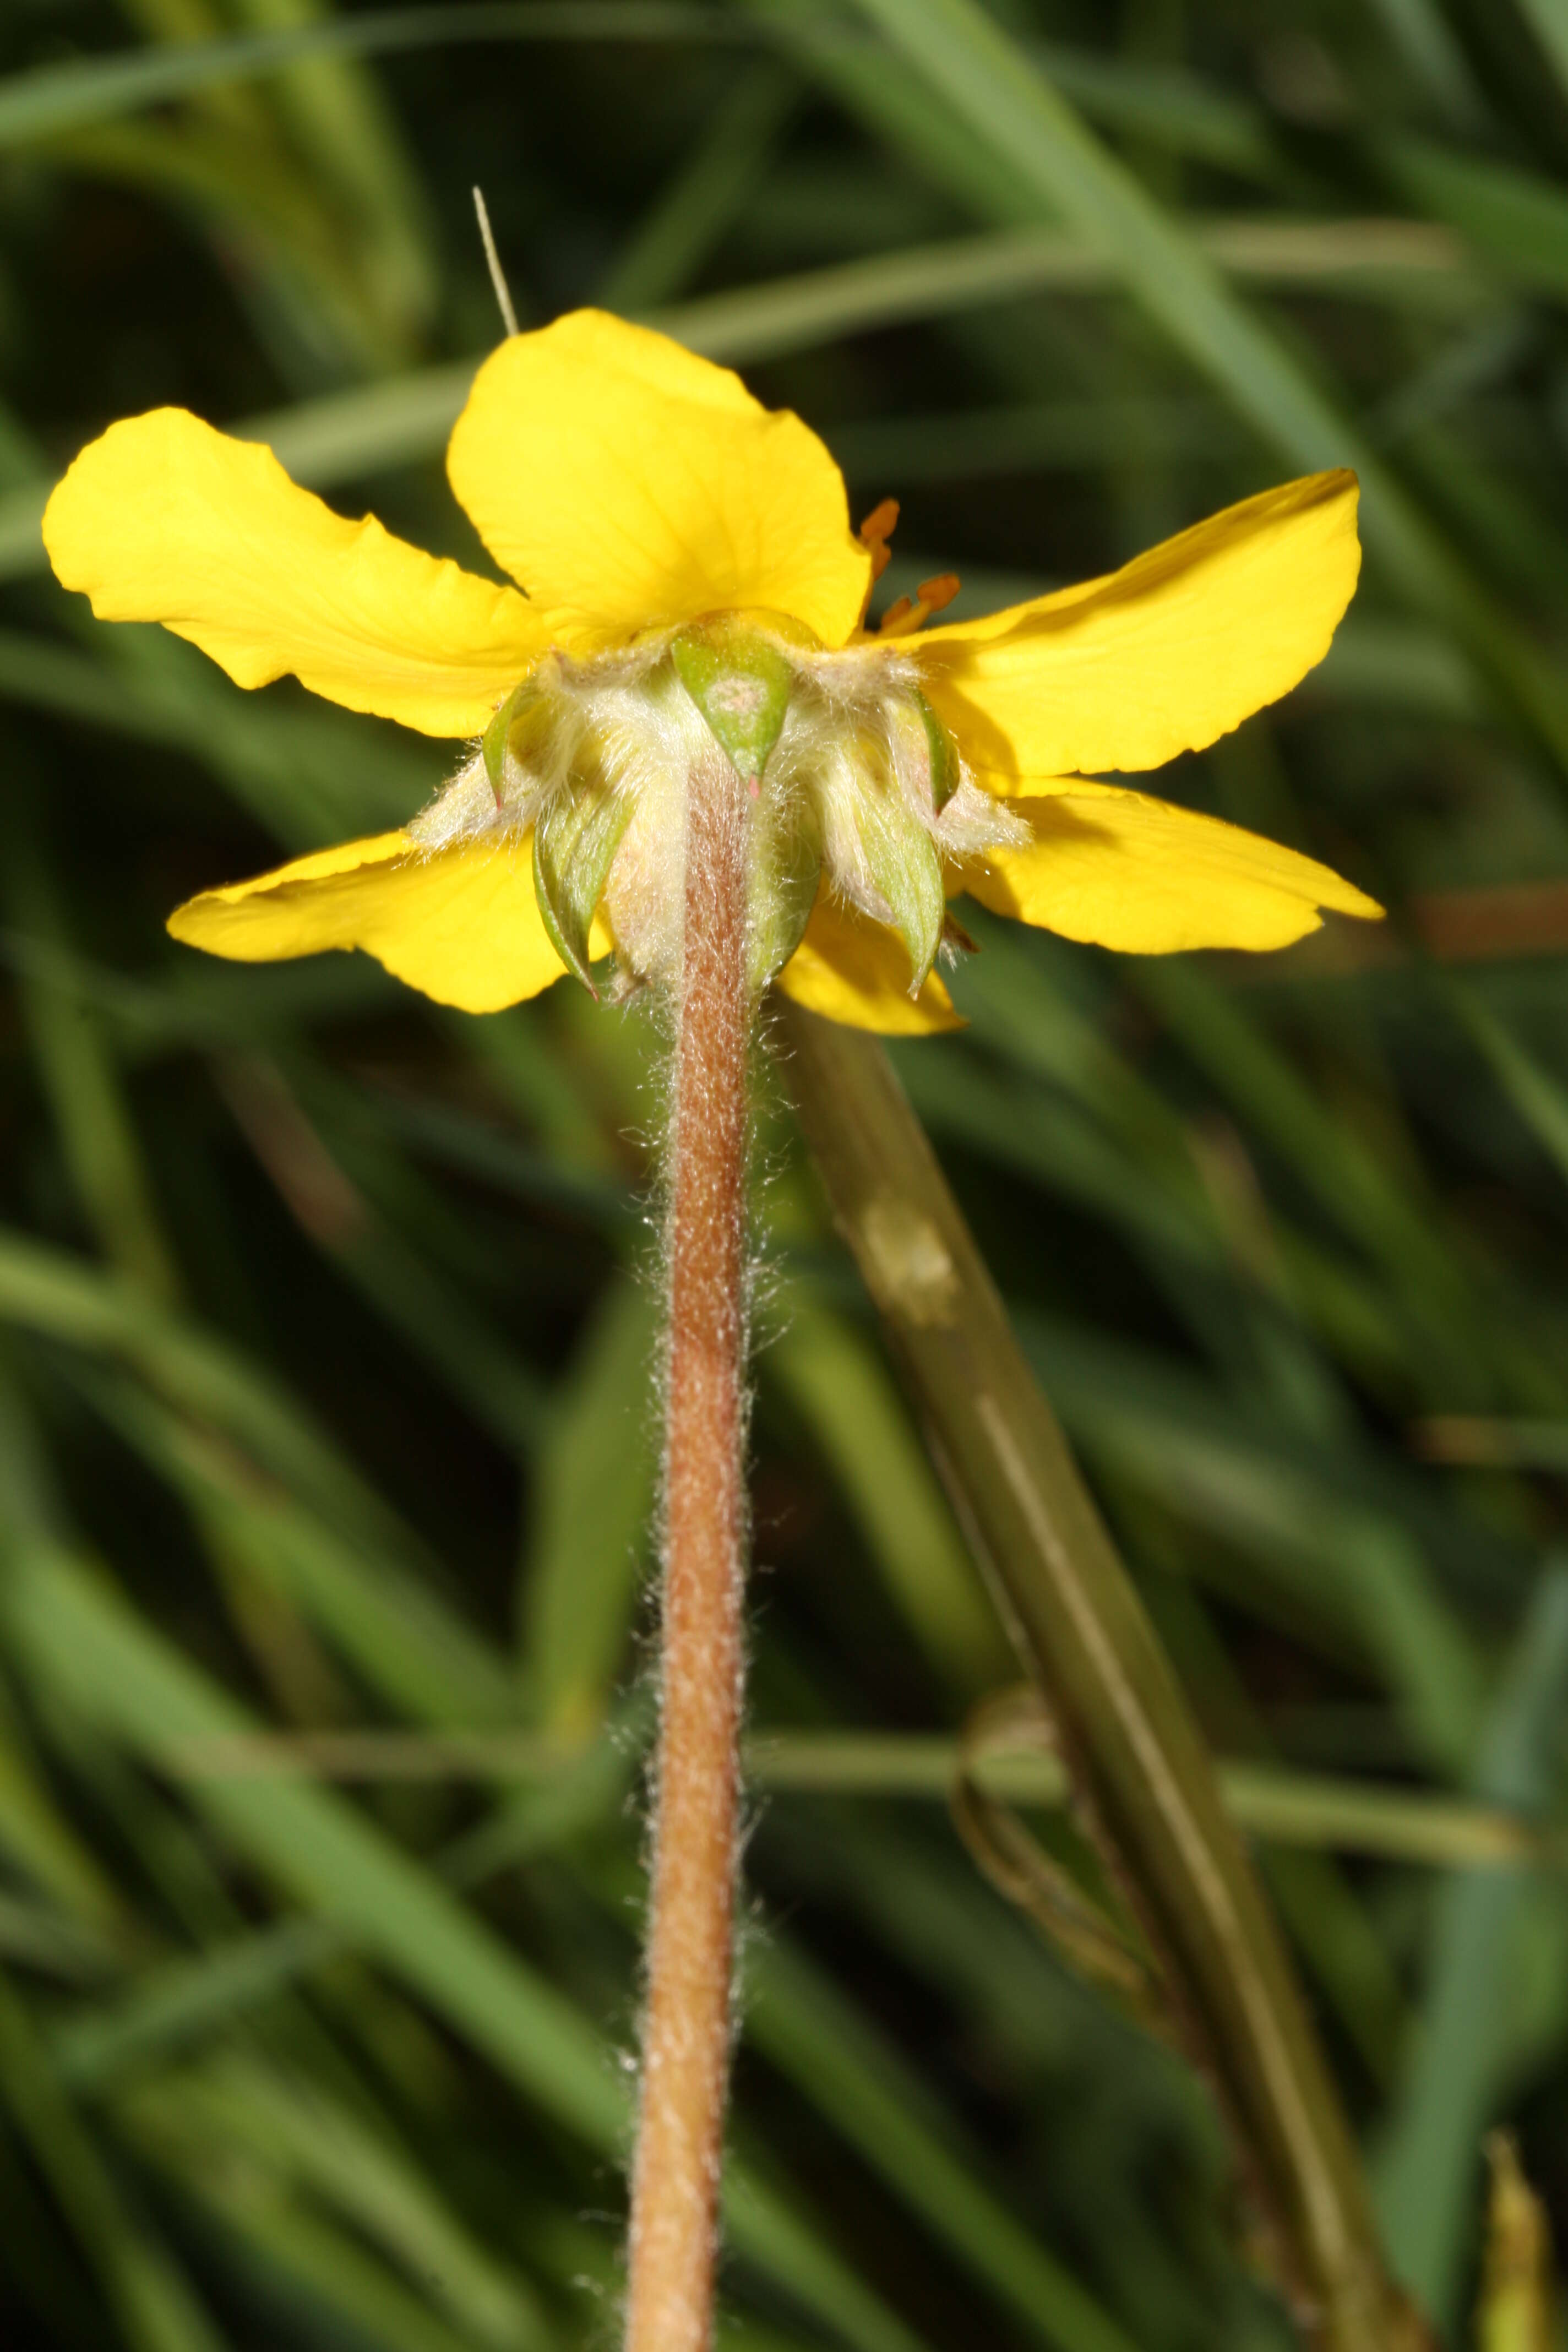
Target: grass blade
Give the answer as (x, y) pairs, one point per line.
(598, 1485)
(1082, 1632)
(89, 1648)
(1427, 2166)
(49, 100)
(806, 2028)
(152, 2301)
(832, 1379)
(979, 73)
(345, 436)
(674, 239)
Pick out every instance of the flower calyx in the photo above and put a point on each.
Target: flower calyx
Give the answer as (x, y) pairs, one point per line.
(846, 780)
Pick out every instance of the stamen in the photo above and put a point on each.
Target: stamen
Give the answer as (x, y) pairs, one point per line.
(932, 595)
(874, 532)
(937, 594)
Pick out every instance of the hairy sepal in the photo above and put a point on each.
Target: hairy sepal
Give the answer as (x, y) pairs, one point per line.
(742, 685)
(784, 866)
(902, 860)
(525, 704)
(576, 839)
(878, 848)
(940, 751)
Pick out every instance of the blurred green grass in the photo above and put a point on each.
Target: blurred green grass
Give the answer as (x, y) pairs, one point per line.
(322, 1315)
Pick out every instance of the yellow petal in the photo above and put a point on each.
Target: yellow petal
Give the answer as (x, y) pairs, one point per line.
(460, 923)
(1162, 657)
(629, 483)
(852, 970)
(163, 519)
(1139, 875)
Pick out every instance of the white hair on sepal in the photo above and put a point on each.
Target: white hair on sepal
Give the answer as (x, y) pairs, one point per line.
(973, 821)
(844, 774)
(469, 808)
(848, 750)
(969, 820)
(634, 727)
(656, 742)
(860, 679)
(909, 757)
(463, 809)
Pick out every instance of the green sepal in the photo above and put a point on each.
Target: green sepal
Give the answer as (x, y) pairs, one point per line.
(902, 860)
(742, 685)
(498, 734)
(943, 753)
(783, 866)
(575, 845)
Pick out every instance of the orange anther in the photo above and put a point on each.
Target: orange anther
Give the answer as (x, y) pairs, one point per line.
(874, 532)
(935, 595)
(896, 614)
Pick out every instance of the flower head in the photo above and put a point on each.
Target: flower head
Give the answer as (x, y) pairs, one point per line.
(691, 589)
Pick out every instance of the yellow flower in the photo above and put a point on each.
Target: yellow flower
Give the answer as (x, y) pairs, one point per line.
(639, 495)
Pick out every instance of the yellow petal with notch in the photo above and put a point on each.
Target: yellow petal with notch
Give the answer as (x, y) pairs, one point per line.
(163, 519)
(460, 923)
(1160, 658)
(630, 484)
(853, 971)
(1129, 872)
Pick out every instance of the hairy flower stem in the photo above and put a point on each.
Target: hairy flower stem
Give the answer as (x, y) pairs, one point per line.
(686, 2028)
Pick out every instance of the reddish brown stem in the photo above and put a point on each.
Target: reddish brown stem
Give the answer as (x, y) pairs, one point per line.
(686, 2027)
